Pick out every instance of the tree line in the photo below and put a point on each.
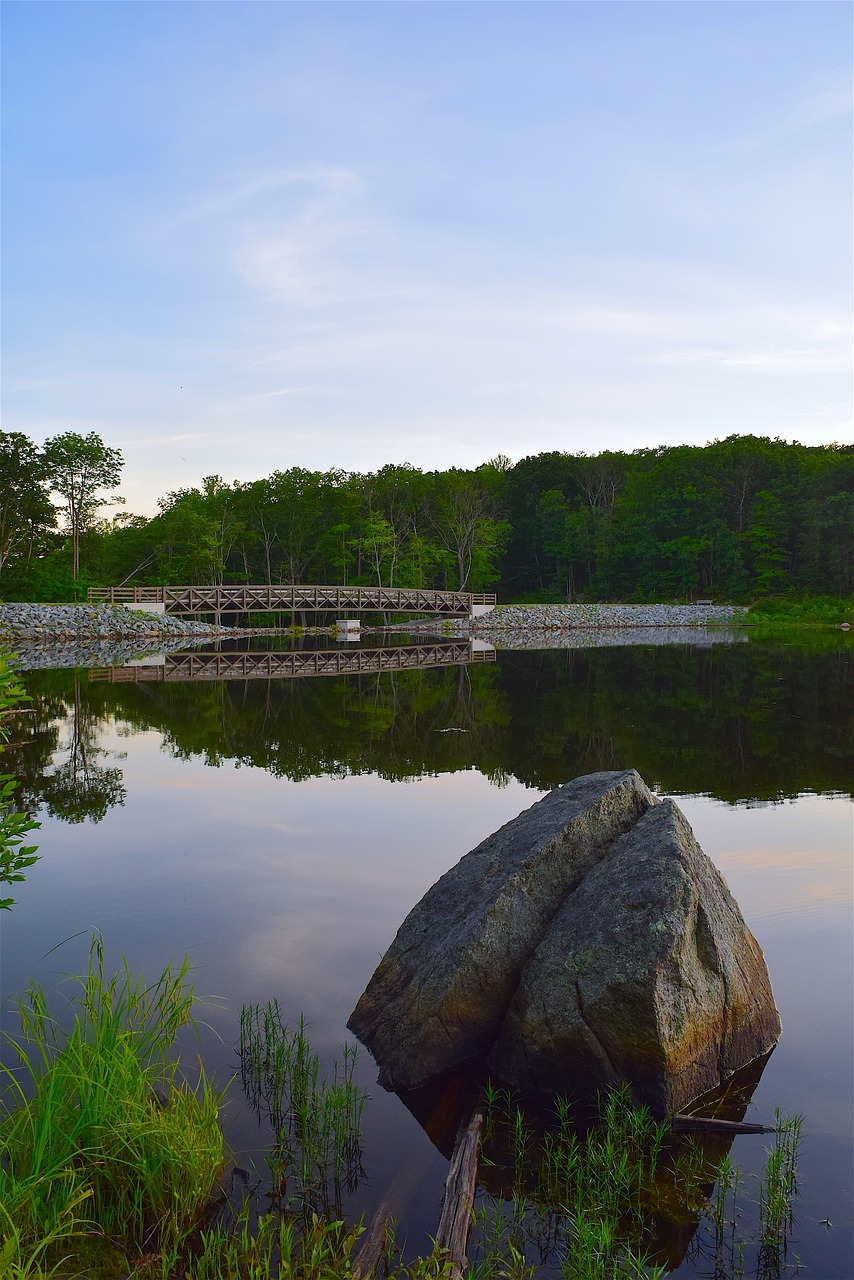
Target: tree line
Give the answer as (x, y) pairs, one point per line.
(735, 519)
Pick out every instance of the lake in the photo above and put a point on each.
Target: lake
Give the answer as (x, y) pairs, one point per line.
(278, 830)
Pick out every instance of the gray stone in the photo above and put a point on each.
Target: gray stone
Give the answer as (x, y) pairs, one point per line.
(587, 942)
(647, 974)
(441, 991)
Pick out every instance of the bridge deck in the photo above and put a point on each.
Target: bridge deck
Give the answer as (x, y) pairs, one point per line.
(290, 598)
(292, 664)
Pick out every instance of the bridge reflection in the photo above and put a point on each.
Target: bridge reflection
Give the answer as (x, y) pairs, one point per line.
(295, 664)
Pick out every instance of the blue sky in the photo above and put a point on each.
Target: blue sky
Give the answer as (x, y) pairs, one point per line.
(247, 236)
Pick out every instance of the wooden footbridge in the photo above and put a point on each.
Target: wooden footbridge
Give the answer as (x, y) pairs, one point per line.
(290, 598)
(295, 663)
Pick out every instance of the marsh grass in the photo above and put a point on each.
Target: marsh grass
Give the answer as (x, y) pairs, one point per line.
(103, 1134)
(316, 1153)
(575, 1198)
(777, 1190)
(271, 1247)
(590, 1200)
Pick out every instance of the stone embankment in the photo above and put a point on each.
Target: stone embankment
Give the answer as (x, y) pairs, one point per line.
(546, 617)
(519, 626)
(76, 623)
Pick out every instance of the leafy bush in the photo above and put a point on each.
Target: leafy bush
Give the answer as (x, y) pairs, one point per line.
(15, 856)
(802, 609)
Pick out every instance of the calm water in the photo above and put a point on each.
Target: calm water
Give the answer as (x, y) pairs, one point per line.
(278, 831)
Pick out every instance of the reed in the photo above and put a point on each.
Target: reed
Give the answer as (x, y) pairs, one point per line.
(316, 1153)
(103, 1135)
(777, 1191)
(576, 1198)
(110, 1158)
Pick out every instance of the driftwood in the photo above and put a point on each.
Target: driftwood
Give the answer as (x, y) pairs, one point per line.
(709, 1124)
(456, 1217)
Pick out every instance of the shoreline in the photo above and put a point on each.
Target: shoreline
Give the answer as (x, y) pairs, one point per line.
(528, 620)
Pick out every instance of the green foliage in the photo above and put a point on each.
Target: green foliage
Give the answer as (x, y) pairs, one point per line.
(102, 1134)
(26, 512)
(739, 517)
(111, 1162)
(15, 826)
(801, 609)
(315, 1123)
(619, 1195)
(777, 1191)
(579, 1199)
(77, 467)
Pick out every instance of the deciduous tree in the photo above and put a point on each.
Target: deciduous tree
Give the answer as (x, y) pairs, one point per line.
(77, 468)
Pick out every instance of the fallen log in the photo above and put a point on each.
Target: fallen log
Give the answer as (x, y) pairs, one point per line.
(455, 1221)
(710, 1124)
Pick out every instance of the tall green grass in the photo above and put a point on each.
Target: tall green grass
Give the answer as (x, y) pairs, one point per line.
(592, 1201)
(103, 1134)
(316, 1123)
(574, 1198)
(801, 609)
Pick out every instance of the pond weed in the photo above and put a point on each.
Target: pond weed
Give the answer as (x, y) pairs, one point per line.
(316, 1123)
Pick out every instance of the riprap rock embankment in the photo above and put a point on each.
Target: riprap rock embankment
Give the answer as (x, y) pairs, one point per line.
(52, 623)
(529, 625)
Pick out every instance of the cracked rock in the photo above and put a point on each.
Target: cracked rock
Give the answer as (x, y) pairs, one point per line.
(588, 941)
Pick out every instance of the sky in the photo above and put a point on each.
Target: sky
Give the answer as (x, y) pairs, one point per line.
(240, 237)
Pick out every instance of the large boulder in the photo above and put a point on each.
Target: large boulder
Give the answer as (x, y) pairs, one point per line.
(442, 989)
(589, 940)
(647, 974)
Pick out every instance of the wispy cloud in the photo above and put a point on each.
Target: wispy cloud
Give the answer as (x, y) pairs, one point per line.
(770, 360)
(231, 198)
(814, 109)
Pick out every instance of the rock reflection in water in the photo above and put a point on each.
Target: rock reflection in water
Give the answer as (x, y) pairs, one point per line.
(676, 1196)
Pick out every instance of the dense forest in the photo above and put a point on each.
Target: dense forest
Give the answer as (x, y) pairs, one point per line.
(733, 520)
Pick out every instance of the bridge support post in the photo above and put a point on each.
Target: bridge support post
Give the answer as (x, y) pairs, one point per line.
(148, 606)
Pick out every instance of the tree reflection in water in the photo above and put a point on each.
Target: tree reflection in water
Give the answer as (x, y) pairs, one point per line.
(743, 723)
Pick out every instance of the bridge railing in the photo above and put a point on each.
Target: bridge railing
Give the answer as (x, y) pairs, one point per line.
(125, 595)
(288, 597)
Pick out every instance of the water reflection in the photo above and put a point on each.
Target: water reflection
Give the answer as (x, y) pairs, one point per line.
(296, 664)
(684, 1174)
(263, 832)
(743, 723)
